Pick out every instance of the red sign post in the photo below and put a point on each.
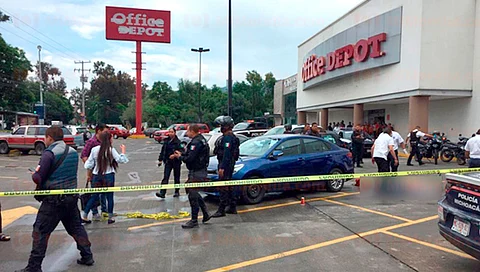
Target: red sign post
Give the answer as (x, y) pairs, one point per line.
(130, 24)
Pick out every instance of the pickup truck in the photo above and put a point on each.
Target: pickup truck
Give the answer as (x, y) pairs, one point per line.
(27, 138)
(252, 129)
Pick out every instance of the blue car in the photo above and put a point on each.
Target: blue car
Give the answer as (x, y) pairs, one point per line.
(286, 155)
(459, 212)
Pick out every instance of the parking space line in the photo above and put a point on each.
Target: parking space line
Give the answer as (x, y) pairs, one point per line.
(3, 177)
(11, 215)
(246, 210)
(22, 160)
(319, 245)
(413, 240)
(368, 210)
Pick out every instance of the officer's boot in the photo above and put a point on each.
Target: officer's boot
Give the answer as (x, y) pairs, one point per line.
(232, 209)
(220, 212)
(190, 224)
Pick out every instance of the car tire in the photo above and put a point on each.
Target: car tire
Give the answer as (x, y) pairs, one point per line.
(39, 148)
(151, 136)
(253, 194)
(125, 137)
(4, 149)
(115, 136)
(335, 185)
(25, 152)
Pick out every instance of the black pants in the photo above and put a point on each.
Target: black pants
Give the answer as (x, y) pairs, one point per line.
(227, 197)
(53, 210)
(415, 152)
(391, 161)
(382, 165)
(1, 231)
(357, 153)
(194, 197)
(166, 175)
(472, 163)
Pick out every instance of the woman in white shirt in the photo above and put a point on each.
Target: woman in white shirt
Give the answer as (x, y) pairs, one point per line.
(103, 160)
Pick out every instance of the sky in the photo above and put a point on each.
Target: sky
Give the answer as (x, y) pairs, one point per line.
(265, 36)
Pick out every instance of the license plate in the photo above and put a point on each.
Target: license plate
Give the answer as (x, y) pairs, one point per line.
(461, 227)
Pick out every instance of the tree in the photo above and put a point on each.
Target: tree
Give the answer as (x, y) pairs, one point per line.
(4, 17)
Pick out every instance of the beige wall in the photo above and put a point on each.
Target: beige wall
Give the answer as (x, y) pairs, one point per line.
(278, 101)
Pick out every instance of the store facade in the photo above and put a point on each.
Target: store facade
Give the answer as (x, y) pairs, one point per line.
(404, 62)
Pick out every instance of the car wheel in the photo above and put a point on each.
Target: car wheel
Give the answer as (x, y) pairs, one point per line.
(39, 148)
(151, 136)
(4, 148)
(125, 137)
(335, 185)
(115, 136)
(25, 152)
(253, 194)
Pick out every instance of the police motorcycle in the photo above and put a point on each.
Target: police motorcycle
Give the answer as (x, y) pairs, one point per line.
(454, 150)
(431, 148)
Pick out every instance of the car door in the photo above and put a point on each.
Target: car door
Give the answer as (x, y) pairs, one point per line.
(17, 140)
(291, 163)
(31, 137)
(318, 157)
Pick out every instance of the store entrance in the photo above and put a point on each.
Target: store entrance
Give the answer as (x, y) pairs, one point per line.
(376, 116)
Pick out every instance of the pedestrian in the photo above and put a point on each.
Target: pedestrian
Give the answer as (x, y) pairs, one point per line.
(330, 127)
(472, 152)
(57, 170)
(103, 161)
(306, 129)
(170, 145)
(196, 158)
(397, 142)
(93, 142)
(380, 149)
(288, 129)
(314, 130)
(358, 137)
(3, 237)
(415, 138)
(228, 152)
(350, 125)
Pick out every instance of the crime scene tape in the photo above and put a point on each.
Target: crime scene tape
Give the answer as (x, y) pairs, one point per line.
(206, 184)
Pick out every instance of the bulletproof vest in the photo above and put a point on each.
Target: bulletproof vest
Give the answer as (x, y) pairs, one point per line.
(203, 154)
(65, 177)
(219, 148)
(413, 137)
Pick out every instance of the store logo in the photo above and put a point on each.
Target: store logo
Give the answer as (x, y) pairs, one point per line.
(366, 48)
(138, 24)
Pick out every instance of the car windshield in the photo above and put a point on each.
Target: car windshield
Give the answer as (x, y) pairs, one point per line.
(81, 130)
(347, 134)
(257, 147)
(275, 131)
(171, 126)
(241, 126)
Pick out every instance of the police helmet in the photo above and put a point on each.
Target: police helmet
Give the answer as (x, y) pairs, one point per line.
(224, 121)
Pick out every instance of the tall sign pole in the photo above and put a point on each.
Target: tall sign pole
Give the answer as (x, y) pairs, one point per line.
(230, 92)
(138, 89)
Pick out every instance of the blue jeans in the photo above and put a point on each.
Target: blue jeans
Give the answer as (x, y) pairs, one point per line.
(98, 181)
(474, 163)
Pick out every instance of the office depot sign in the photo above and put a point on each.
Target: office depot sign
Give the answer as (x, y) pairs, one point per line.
(131, 24)
(315, 66)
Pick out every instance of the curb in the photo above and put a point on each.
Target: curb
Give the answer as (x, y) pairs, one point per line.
(138, 137)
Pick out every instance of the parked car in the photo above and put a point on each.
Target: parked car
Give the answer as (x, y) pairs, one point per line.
(278, 130)
(161, 135)
(118, 131)
(251, 129)
(149, 132)
(459, 212)
(27, 138)
(81, 134)
(286, 155)
(346, 135)
(185, 140)
(214, 137)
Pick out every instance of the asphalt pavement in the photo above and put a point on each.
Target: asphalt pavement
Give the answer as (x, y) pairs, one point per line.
(358, 229)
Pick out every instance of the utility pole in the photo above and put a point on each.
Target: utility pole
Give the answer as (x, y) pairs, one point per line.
(230, 83)
(42, 115)
(83, 80)
(200, 51)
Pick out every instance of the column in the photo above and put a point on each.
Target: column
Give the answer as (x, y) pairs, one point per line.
(324, 118)
(418, 112)
(302, 117)
(358, 114)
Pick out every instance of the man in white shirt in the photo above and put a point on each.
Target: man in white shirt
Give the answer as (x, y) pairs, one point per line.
(472, 149)
(397, 142)
(381, 148)
(415, 136)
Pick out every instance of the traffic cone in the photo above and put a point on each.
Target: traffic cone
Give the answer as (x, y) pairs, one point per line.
(357, 182)
(302, 201)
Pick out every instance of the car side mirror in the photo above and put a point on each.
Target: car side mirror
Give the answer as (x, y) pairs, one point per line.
(276, 154)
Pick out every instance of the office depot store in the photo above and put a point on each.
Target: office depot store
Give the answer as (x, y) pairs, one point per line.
(405, 62)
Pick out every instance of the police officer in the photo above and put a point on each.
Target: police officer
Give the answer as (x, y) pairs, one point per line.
(196, 158)
(170, 145)
(357, 145)
(415, 136)
(288, 129)
(227, 151)
(57, 170)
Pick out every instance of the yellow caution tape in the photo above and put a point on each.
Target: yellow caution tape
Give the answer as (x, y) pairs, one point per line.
(297, 179)
(156, 216)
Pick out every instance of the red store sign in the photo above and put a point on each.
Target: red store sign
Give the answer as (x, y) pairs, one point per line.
(131, 24)
(371, 48)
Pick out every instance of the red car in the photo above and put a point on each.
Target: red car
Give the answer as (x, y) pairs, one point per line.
(119, 131)
(27, 138)
(161, 135)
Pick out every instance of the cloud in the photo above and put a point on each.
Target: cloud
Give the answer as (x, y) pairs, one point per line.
(87, 31)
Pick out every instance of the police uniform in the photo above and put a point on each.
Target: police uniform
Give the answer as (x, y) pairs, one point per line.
(169, 147)
(196, 158)
(415, 136)
(357, 145)
(227, 151)
(58, 208)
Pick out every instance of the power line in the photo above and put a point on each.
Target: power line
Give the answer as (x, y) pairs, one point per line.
(10, 14)
(34, 43)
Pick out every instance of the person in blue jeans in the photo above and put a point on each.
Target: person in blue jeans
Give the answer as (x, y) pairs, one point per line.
(103, 160)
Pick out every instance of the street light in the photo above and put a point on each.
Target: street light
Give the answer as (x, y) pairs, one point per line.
(200, 51)
(230, 80)
(42, 118)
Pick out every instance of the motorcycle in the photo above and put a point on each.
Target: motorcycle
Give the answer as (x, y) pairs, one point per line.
(451, 150)
(431, 149)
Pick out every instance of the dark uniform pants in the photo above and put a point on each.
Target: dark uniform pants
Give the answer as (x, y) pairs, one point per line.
(1, 231)
(53, 210)
(227, 197)
(357, 153)
(176, 167)
(382, 165)
(416, 152)
(194, 197)
(391, 161)
(472, 163)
